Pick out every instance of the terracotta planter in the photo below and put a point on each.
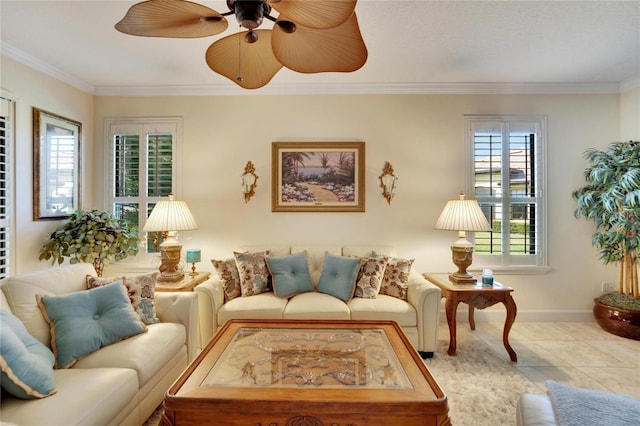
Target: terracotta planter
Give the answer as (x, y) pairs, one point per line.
(620, 322)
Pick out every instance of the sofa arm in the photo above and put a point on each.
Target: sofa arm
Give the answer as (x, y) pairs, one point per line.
(210, 300)
(182, 308)
(425, 298)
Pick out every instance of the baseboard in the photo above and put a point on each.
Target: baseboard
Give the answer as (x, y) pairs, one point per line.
(525, 316)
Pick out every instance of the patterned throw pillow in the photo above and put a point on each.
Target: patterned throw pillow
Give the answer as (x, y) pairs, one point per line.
(141, 290)
(370, 276)
(396, 277)
(253, 272)
(228, 274)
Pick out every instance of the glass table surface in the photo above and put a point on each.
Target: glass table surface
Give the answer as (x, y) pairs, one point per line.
(318, 358)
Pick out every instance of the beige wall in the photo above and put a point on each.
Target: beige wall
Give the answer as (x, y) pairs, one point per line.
(421, 135)
(630, 115)
(30, 89)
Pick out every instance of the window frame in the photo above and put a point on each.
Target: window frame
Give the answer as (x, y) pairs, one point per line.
(8, 219)
(142, 126)
(536, 263)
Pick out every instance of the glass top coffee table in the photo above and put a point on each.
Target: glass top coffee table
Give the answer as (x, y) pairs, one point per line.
(258, 372)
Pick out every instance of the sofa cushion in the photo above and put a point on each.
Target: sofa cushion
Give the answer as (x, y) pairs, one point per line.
(316, 306)
(26, 364)
(93, 396)
(253, 272)
(228, 274)
(383, 308)
(338, 276)
(82, 322)
(396, 277)
(146, 353)
(290, 275)
(141, 290)
(370, 276)
(21, 291)
(264, 305)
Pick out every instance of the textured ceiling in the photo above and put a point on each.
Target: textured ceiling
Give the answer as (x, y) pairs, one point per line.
(414, 47)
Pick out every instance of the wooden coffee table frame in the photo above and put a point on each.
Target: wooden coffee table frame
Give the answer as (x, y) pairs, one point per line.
(188, 402)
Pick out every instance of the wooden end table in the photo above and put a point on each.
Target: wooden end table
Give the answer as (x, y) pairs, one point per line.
(476, 296)
(187, 284)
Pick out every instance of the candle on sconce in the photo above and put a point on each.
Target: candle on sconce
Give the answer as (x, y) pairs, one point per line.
(193, 257)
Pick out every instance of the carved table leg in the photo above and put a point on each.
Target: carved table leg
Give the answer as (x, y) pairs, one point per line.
(472, 320)
(512, 309)
(451, 306)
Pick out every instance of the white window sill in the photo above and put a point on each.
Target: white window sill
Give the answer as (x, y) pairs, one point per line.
(512, 269)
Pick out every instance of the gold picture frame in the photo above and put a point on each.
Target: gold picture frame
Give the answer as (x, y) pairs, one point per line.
(318, 176)
(56, 165)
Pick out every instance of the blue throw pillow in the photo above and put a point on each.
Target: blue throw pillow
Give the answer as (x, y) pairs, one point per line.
(290, 275)
(26, 364)
(338, 276)
(84, 321)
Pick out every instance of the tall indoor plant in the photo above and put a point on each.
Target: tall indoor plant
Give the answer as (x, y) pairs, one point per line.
(611, 198)
(91, 236)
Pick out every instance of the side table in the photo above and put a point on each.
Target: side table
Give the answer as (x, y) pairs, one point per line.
(476, 296)
(187, 284)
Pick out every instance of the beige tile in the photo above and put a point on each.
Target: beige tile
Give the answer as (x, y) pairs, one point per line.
(585, 331)
(618, 380)
(539, 331)
(567, 375)
(529, 353)
(621, 353)
(579, 353)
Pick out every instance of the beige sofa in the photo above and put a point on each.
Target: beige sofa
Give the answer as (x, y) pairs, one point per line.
(118, 384)
(418, 315)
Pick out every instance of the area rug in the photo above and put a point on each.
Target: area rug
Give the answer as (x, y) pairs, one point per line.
(481, 387)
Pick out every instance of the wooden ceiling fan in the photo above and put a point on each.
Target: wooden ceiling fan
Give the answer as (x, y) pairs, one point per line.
(308, 36)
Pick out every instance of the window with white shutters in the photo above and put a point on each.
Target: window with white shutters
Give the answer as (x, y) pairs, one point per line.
(507, 177)
(7, 177)
(144, 167)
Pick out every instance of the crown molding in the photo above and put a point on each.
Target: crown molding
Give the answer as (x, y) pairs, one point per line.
(45, 68)
(324, 89)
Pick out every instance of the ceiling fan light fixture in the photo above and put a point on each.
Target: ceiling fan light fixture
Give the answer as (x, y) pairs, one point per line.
(286, 26)
(251, 37)
(249, 13)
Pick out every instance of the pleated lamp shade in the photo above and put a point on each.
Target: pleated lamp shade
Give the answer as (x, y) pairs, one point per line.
(462, 215)
(170, 215)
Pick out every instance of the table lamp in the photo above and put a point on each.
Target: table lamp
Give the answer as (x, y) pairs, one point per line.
(170, 216)
(193, 257)
(462, 215)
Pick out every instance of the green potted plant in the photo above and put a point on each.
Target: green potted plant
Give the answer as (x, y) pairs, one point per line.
(611, 198)
(91, 236)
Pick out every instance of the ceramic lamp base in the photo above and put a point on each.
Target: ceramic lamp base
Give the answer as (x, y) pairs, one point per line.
(170, 271)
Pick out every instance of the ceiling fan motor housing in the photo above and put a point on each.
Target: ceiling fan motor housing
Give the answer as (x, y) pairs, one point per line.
(249, 13)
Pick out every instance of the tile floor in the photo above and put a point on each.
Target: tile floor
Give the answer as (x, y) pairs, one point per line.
(580, 354)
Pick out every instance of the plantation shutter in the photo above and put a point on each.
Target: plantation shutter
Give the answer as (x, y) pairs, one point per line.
(6, 117)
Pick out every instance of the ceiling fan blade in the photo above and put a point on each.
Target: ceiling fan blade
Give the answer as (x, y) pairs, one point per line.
(316, 13)
(309, 50)
(249, 65)
(171, 18)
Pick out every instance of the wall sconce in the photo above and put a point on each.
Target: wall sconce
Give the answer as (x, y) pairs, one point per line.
(249, 181)
(387, 181)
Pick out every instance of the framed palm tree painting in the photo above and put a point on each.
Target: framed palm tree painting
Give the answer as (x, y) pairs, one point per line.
(318, 176)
